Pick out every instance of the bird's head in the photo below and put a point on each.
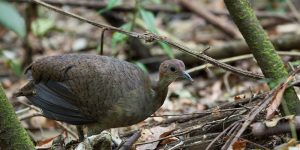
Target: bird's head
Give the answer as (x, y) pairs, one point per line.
(170, 70)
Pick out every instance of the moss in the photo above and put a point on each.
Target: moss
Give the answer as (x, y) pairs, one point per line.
(12, 135)
(262, 48)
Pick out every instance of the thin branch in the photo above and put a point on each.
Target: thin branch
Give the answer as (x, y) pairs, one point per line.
(72, 133)
(187, 131)
(150, 37)
(130, 141)
(95, 4)
(293, 9)
(29, 116)
(258, 145)
(224, 26)
(60, 124)
(219, 136)
(102, 41)
(237, 58)
(201, 113)
(257, 109)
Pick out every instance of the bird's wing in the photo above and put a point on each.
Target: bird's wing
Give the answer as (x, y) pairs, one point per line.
(54, 99)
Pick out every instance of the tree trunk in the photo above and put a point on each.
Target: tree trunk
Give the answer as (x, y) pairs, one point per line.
(263, 50)
(12, 135)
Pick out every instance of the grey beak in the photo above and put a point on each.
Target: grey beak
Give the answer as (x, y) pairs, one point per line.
(187, 76)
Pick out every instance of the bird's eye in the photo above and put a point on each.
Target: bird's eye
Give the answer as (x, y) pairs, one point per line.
(173, 69)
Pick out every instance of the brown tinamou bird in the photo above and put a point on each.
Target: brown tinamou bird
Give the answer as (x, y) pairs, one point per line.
(97, 91)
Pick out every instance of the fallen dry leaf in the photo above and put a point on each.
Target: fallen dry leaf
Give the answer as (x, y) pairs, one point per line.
(277, 98)
(216, 111)
(168, 141)
(47, 143)
(274, 121)
(153, 134)
(239, 145)
(239, 97)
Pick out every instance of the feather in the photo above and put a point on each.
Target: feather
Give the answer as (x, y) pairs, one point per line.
(55, 100)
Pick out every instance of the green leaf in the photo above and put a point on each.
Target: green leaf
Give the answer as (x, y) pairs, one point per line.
(42, 26)
(167, 49)
(117, 37)
(15, 66)
(11, 19)
(111, 4)
(12, 61)
(157, 1)
(142, 66)
(149, 20)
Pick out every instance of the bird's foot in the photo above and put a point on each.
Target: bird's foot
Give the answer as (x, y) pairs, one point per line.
(100, 141)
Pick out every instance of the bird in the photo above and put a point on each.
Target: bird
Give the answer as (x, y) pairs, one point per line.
(100, 92)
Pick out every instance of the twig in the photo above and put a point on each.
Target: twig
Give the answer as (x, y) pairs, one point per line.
(176, 146)
(259, 129)
(102, 41)
(224, 106)
(22, 110)
(150, 37)
(29, 116)
(130, 141)
(211, 18)
(94, 4)
(256, 110)
(258, 145)
(175, 135)
(30, 106)
(200, 113)
(248, 120)
(293, 9)
(237, 58)
(219, 136)
(226, 83)
(72, 133)
(60, 124)
(231, 135)
(187, 131)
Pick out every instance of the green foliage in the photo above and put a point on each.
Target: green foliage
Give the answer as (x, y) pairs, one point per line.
(42, 26)
(13, 63)
(142, 66)
(167, 49)
(118, 38)
(15, 66)
(147, 17)
(149, 20)
(111, 4)
(295, 63)
(277, 6)
(11, 19)
(156, 1)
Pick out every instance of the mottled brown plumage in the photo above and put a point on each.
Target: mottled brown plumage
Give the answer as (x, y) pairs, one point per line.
(97, 90)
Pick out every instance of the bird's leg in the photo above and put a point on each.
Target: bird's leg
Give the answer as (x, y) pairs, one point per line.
(98, 137)
(95, 129)
(100, 141)
(115, 137)
(80, 133)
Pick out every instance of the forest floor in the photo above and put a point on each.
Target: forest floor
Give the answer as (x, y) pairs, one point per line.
(211, 109)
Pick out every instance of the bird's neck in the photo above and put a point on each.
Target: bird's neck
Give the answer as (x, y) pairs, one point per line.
(161, 90)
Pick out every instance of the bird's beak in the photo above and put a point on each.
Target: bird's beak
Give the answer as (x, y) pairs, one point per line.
(186, 76)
